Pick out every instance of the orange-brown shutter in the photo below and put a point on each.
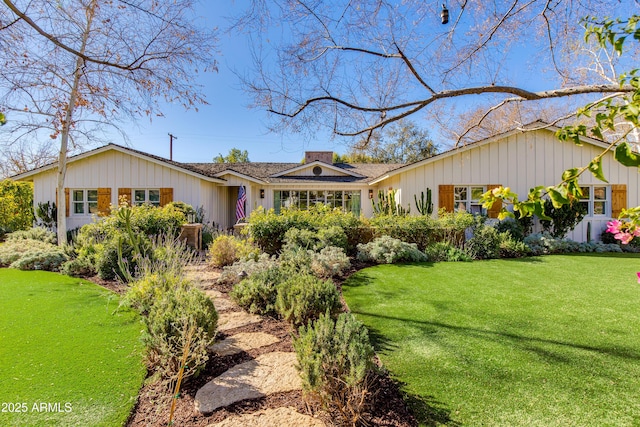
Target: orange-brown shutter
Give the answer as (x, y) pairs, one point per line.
(124, 194)
(497, 205)
(166, 196)
(618, 199)
(445, 197)
(104, 201)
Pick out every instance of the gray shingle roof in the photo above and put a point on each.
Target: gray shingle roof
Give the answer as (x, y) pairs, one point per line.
(265, 171)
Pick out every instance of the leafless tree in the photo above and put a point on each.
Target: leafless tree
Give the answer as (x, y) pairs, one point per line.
(354, 67)
(70, 68)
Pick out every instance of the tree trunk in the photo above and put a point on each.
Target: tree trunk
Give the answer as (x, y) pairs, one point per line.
(66, 127)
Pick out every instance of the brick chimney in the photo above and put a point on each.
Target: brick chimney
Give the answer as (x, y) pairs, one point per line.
(323, 156)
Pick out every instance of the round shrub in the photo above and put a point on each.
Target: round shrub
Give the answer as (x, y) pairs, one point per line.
(335, 360)
(27, 254)
(485, 243)
(257, 293)
(387, 250)
(227, 249)
(181, 316)
(445, 251)
(304, 297)
(329, 262)
(78, 267)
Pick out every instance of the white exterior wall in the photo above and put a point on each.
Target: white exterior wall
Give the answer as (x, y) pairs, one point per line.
(520, 161)
(114, 169)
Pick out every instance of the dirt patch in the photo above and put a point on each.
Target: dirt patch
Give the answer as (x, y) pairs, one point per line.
(279, 417)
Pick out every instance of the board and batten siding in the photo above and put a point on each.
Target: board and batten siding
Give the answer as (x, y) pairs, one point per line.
(520, 161)
(114, 169)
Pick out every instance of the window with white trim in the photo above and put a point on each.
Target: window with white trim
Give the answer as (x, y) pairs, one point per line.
(146, 196)
(348, 200)
(84, 201)
(466, 198)
(596, 199)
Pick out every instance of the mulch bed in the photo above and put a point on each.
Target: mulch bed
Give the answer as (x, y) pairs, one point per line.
(154, 401)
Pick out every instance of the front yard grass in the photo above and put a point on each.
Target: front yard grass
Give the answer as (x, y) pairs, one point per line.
(65, 358)
(550, 341)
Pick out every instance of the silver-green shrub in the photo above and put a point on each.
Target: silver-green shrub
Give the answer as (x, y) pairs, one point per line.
(304, 297)
(335, 360)
(387, 250)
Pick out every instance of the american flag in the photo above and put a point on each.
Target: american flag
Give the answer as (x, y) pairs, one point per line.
(242, 198)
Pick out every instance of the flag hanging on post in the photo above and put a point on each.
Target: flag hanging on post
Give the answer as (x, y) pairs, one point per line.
(242, 198)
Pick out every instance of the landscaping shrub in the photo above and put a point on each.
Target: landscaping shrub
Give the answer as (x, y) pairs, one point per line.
(296, 260)
(297, 238)
(609, 238)
(231, 274)
(27, 254)
(304, 297)
(387, 250)
(182, 316)
(485, 243)
(513, 227)
(268, 229)
(329, 262)
(78, 267)
(335, 360)
(227, 249)
(146, 290)
(16, 206)
(257, 294)
(331, 236)
(563, 219)
(420, 230)
(35, 233)
(544, 244)
(445, 251)
(512, 248)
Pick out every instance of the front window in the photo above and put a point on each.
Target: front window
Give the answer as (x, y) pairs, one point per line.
(145, 196)
(348, 201)
(595, 199)
(466, 198)
(85, 202)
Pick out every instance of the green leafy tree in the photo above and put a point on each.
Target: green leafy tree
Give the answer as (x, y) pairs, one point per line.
(618, 113)
(16, 206)
(235, 156)
(401, 142)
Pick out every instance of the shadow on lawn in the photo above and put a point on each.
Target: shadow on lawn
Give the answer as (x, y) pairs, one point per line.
(428, 411)
(524, 342)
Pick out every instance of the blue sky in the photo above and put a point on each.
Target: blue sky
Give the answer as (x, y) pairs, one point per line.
(226, 122)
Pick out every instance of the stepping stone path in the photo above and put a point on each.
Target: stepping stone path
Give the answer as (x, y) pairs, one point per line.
(236, 319)
(268, 373)
(279, 417)
(243, 341)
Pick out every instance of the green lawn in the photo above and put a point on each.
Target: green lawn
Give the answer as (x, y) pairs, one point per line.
(550, 341)
(65, 358)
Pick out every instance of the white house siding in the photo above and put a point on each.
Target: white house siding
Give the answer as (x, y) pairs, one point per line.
(114, 169)
(520, 161)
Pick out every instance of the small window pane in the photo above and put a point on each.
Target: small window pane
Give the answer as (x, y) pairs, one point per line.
(460, 193)
(92, 195)
(93, 207)
(78, 195)
(139, 196)
(78, 208)
(476, 209)
(476, 192)
(585, 207)
(461, 207)
(154, 196)
(599, 193)
(599, 208)
(586, 192)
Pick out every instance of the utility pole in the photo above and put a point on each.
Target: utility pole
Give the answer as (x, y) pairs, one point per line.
(171, 138)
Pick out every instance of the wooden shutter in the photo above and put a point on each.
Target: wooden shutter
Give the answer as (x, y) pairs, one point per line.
(445, 197)
(166, 196)
(124, 194)
(104, 201)
(618, 199)
(497, 206)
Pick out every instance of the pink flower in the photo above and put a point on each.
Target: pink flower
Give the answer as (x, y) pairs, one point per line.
(614, 226)
(636, 232)
(638, 273)
(624, 237)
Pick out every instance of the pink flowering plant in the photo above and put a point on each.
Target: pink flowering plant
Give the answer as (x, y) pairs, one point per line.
(626, 231)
